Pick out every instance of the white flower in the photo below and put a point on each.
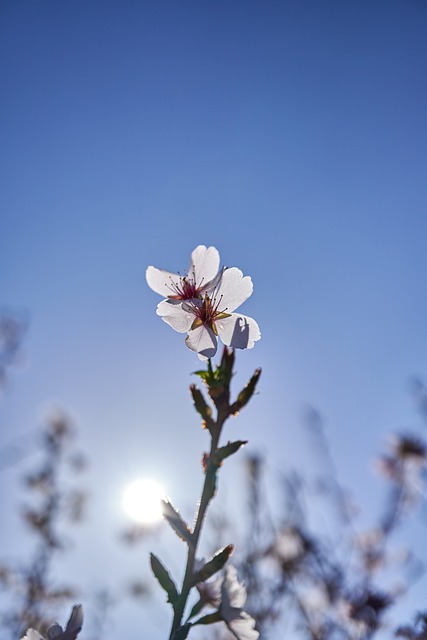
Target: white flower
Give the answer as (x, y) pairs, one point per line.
(209, 590)
(201, 303)
(204, 266)
(205, 318)
(233, 598)
(32, 635)
(289, 545)
(56, 632)
(228, 595)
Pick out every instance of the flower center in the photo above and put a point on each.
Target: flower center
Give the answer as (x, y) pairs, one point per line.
(185, 289)
(207, 312)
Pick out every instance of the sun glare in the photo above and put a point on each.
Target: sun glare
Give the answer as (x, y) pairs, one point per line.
(141, 500)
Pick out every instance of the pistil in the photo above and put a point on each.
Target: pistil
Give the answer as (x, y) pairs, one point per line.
(208, 313)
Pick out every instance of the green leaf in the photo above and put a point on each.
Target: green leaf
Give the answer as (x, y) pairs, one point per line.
(182, 632)
(213, 565)
(227, 450)
(204, 375)
(200, 404)
(208, 375)
(165, 581)
(246, 394)
(211, 618)
(197, 608)
(176, 521)
(221, 376)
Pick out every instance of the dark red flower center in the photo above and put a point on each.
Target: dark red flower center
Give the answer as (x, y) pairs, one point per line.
(184, 290)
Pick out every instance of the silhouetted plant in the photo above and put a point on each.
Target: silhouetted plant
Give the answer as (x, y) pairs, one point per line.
(299, 579)
(12, 329)
(33, 595)
(322, 585)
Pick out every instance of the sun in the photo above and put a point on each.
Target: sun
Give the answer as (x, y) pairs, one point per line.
(141, 500)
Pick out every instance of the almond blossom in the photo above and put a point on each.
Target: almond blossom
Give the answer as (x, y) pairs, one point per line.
(204, 266)
(209, 590)
(202, 303)
(56, 632)
(206, 318)
(32, 634)
(227, 593)
(233, 598)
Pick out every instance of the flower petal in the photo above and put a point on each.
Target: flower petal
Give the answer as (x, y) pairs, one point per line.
(209, 591)
(233, 592)
(233, 289)
(233, 595)
(204, 265)
(243, 628)
(163, 282)
(203, 341)
(238, 331)
(32, 635)
(174, 313)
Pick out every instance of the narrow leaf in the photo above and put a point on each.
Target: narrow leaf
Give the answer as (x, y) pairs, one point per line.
(213, 565)
(246, 394)
(165, 581)
(210, 618)
(224, 452)
(200, 403)
(176, 521)
(197, 608)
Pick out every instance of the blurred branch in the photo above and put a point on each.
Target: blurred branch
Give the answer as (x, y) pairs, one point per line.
(31, 592)
(12, 329)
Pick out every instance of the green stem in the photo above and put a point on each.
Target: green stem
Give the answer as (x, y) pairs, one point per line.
(207, 495)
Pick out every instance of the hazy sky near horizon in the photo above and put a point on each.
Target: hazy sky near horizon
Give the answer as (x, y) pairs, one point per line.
(292, 136)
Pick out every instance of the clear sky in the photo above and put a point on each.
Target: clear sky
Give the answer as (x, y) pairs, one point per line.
(289, 134)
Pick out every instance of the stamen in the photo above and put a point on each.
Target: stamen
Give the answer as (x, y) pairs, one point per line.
(208, 312)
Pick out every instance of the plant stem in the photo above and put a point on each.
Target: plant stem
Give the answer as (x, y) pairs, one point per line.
(207, 495)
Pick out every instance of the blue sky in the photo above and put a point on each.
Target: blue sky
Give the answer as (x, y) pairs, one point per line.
(290, 135)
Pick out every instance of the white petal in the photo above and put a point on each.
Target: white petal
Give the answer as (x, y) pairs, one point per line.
(233, 592)
(243, 627)
(233, 289)
(210, 591)
(238, 331)
(32, 635)
(203, 341)
(175, 315)
(204, 265)
(162, 282)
